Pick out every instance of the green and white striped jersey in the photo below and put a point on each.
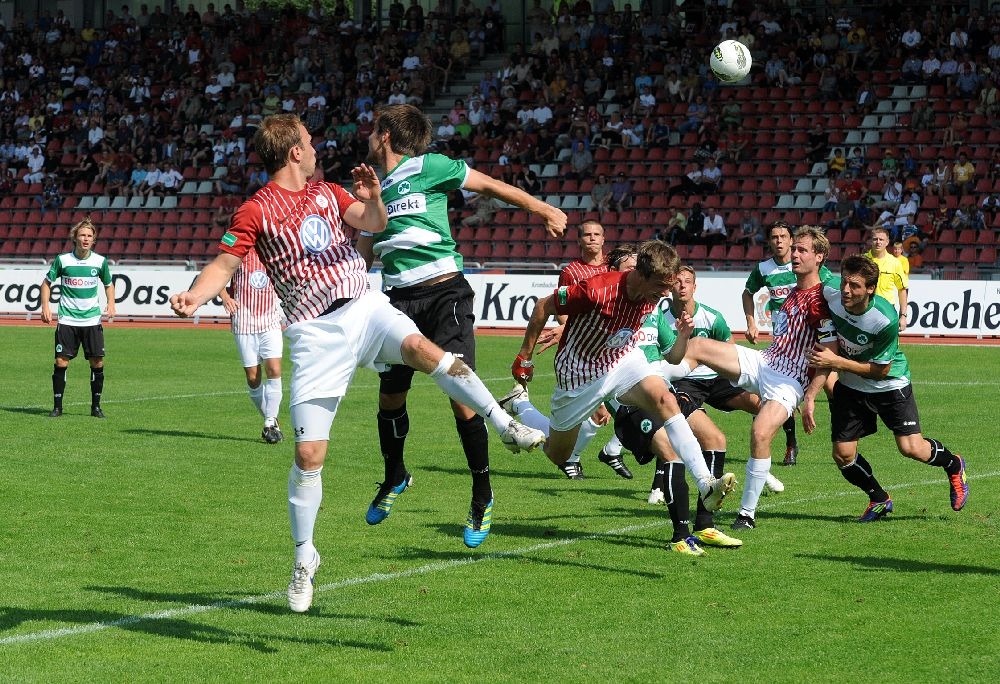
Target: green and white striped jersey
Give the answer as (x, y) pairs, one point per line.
(417, 244)
(81, 281)
(778, 279)
(657, 335)
(869, 337)
(707, 323)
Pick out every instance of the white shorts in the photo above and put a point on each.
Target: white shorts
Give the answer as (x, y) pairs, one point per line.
(759, 378)
(569, 408)
(366, 332)
(255, 347)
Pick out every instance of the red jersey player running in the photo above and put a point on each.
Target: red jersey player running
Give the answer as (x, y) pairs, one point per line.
(780, 374)
(336, 324)
(598, 360)
(256, 325)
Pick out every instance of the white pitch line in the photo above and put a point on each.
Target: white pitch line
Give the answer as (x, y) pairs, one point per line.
(378, 577)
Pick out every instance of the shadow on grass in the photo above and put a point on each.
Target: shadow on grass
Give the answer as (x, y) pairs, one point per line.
(520, 556)
(28, 411)
(839, 518)
(902, 564)
(214, 436)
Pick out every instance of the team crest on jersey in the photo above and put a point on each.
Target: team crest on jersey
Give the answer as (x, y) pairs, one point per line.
(403, 187)
(315, 234)
(779, 323)
(259, 280)
(862, 338)
(646, 426)
(322, 202)
(93, 271)
(620, 338)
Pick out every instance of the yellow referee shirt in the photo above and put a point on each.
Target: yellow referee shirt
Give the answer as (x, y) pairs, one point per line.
(892, 277)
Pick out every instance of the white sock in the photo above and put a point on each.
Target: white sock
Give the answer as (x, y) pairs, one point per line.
(305, 494)
(257, 397)
(466, 388)
(532, 417)
(757, 470)
(686, 445)
(272, 400)
(613, 447)
(587, 431)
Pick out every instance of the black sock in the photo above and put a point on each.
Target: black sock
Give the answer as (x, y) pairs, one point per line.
(96, 386)
(659, 476)
(941, 457)
(678, 504)
(475, 442)
(58, 385)
(393, 424)
(860, 475)
(716, 462)
(789, 427)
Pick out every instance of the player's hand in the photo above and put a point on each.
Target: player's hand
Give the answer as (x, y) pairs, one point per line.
(522, 369)
(366, 184)
(752, 333)
(549, 338)
(231, 306)
(602, 416)
(822, 357)
(902, 324)
(808, 415)
(685, 325)
(46, 314)
(110, 312)
(555, 222)
(183, 304)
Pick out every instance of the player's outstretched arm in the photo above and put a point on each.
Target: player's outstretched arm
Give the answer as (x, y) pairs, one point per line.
(555, 219)
(210, 282)
(523, 367)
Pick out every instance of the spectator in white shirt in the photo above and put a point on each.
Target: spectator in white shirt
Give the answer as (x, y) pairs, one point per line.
(226, 77)
(95, 134)
(36, 166)
(542, 113)
(714, 232)
(911, 37)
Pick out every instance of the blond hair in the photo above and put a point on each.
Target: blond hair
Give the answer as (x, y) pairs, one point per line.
(85, 223)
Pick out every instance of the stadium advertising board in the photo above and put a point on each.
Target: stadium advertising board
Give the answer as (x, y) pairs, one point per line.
(937, 307)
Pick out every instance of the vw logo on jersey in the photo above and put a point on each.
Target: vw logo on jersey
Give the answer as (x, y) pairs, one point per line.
(316, 234)
(862, 338)
(620, 338)
(259, 280)
(322, 202)
(779, 323)
(403, 187)
(646, 426)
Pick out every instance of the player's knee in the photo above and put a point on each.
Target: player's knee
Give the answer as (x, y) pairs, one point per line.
(310, 455)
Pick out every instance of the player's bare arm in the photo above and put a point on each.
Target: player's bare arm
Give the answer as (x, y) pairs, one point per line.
(748, 310)
(523, 367)
(45, 296)
(109, 291)
(685, 327)
(365, 245)
(369, 214)
(210, 282)
(228, 303)
(824, 358)
(555, 219)
(815, 387)
(550, 337)
(904, 301)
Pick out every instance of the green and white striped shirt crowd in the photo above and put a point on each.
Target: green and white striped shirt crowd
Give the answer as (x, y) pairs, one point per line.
(417, 244)
(80, 281)
(872, 336)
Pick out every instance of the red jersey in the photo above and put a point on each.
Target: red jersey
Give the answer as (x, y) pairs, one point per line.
(301, 241)
(252, 290)
(802, 321)
(576, 271)
(601, 327)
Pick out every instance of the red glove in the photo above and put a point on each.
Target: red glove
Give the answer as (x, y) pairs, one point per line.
(522, 369)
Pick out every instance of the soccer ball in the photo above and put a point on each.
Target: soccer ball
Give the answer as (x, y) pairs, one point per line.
(730, 61)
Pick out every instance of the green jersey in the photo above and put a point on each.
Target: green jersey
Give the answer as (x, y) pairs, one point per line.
(707, 323)
(417, 244)
(80, 283)
(778, 279)
(657, 335)
(869, 337)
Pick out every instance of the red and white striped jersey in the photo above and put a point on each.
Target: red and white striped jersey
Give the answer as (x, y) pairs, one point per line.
(576, 271)
(301, 241)
(600, 329)
(802, 321)
(258, 305)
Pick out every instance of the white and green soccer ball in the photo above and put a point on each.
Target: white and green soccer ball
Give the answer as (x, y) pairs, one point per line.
(730, 61)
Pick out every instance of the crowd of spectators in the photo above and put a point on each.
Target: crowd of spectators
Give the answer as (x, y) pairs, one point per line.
(137, 103)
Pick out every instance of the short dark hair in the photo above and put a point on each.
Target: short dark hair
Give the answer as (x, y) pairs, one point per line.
(409, 128)
(859, 264)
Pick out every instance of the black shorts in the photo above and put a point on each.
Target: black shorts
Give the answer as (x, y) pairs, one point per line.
(443, 313)
(635, 428)
(692, 393)
(70, 337)
(853, 413)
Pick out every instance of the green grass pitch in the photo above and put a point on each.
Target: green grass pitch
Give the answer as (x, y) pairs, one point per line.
(154, 545)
